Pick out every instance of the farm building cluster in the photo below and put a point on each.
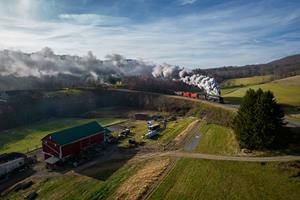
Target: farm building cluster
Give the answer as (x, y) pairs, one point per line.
(61, 146)
(79, 144)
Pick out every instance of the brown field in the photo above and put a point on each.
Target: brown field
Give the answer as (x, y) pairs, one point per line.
(138, 184)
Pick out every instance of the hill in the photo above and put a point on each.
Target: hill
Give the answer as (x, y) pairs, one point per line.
(286, 91)
(247, 81)
(294, 59)
(194, 179)
(281, 68)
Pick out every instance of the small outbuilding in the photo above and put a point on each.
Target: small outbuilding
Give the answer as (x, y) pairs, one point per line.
(10, 162)
(62, 144)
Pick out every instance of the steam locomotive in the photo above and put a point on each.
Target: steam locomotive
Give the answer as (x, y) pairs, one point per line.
(204, 96)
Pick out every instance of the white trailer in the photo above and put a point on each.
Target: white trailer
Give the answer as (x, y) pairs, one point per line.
(10, 162)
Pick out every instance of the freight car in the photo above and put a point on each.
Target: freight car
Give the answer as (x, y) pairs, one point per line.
(196, 95)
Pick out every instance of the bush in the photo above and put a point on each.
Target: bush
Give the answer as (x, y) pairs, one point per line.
(259, 121)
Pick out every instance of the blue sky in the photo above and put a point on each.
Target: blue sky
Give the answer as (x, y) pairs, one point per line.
(189, 33)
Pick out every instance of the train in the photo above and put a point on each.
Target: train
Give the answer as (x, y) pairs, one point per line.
(204, 96)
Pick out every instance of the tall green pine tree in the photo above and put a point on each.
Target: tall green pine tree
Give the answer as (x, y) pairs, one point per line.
(259, 121)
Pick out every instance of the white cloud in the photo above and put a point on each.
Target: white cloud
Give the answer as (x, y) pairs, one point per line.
(93, 19)
(186, 2)
(212, 38)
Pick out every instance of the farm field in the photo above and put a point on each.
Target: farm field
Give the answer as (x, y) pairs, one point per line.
(173, 129)
(247, 81)
(29, 137)
(216, 139)
(64, 92)
(294, 117)
(113, 179)
(286, 91)
(96, 182)
(203, 179)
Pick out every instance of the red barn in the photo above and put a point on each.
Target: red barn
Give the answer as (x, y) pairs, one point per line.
(62, 144)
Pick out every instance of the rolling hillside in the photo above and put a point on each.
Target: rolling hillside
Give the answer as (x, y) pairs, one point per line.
(285, 90)
(202, 179)
(247, 81)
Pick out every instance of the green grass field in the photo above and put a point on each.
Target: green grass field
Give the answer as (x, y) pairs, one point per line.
(140, 129)
(29, 137)
(166, 135)
(174, 128)
(203, 179)
(294, 117)
(247, 81)
(72, 185)
(64, 92)
(216, 139)
(286, 91)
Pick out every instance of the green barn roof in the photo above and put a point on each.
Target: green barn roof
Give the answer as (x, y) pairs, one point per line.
(75, 133)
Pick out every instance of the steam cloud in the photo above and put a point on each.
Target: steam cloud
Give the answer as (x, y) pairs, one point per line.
(208, 84)
(46, 63)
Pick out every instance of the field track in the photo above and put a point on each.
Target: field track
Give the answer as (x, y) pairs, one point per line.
(232, 158)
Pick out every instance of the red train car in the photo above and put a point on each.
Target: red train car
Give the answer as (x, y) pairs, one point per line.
(65, 143)
(194, 95)
(186, 94)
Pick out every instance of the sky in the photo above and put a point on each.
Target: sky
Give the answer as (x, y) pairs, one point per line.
(188, 33)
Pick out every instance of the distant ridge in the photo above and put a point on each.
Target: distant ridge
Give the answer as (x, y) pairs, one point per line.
(280, 68)
(294, 59)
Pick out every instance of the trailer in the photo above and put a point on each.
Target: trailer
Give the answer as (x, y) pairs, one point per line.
(9, 162)
(154, 127)
(151, 134)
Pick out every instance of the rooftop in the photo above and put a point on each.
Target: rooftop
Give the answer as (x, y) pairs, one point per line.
(69, 135)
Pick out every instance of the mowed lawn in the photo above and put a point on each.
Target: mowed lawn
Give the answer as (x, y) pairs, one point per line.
(29, 137)
(204, 179)
(95, 182)
(286, 91)
(216, 139)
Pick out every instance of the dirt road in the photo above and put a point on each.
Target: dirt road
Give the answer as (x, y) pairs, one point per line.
(231, 158)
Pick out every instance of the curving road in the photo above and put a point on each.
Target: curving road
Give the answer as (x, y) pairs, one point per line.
(219, 157)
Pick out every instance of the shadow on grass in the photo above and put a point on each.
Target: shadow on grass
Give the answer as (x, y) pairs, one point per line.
(15, 178)
(233, 100)
(289, 109)
(293, 147)
(104, 167)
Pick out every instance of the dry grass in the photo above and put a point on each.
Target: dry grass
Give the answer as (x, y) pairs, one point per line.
(181, 137)
(138, 184)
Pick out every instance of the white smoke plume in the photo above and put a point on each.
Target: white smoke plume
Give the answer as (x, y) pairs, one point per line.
(208, 84)
(47, 63)
(89, 69)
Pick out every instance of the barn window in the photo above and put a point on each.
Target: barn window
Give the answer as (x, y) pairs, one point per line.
(45, 142)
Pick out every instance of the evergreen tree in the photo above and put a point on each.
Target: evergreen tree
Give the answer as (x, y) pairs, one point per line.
(259, 121)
